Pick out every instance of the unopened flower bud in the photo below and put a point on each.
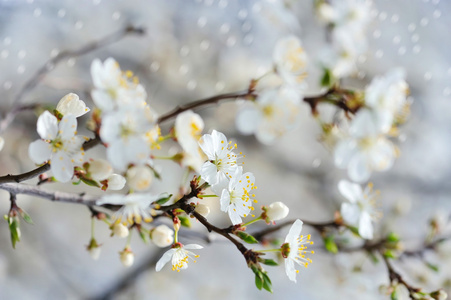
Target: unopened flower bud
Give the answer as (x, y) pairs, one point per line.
(276, 211)
(127, 257)
(71, 104)
(203, 209)
(120, 230)
(139, 178)
(439, 295)
(116, 182)
(94, 249)
(100, 169)
(2, 143)
(326, 13)
(162, 236)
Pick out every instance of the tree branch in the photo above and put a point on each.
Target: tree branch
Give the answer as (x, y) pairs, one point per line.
(20, 188)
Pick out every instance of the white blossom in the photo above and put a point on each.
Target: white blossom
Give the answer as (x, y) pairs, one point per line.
(203, 209)
(2, 143)
(59, 144)
(222, 161)
(127, 257)
(135, 207)
(271, 115)
(71, 104)
(162, 236)
(386, 97)
(114, 88)
(291, 60)
(276, 211)
(116, 182)
(236, 198)
(360, 210)
(364, 150)
(126, 133)
(95, 252)
(294, 250)
(139, 178)
(178, 256)
(188, 129)
(100, 169)
(120, 230)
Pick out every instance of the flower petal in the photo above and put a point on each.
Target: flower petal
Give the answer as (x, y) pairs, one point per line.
(295, 232)
(365, 226)
(359, 169)
(164, 259)
(39, 151)
(350, 213)
(47, 126)
(290, 270)
(247, 120)
(351, 191)
(62, 167)
(67, 127)
(193, 247)
(344, 152)
(225, 200)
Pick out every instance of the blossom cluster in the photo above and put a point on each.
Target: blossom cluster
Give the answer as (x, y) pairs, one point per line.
(276, 108)
(347, 21)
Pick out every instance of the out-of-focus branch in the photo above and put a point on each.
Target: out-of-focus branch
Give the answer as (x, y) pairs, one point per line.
(48, 66)
(20, 188)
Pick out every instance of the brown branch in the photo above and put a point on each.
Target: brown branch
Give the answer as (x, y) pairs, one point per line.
(396, 277)
(48, 66)
(203, 102)
(42, 169)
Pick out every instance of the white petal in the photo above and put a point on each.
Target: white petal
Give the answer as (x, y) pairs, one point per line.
(71, 104)
(223, 183)
(295, 232)
(62, 167)
(116, 156)
(247, 120)
(382, 155)
(193, 247)
(209, 172)
(225, 200)
(365, 123)
(67, 127)
(47, 126)
(234, 216)
(206, 144)
(350, 213)
(344, 152)
(359, 169)
(102, 100)
(351, 191)
(290, 270)
(365, 226)
(39, 151)
(164, 259)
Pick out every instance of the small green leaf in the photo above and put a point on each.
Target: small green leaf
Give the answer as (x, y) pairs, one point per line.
(432, 267)
(392, 237)
(90, 182)
(269, 262)
(165, 198)
(373, 257)
(76, 183)
(258, 281)
(246, 237)
(267, 285)
(330, 244)
(354, 230)
(394, 295)
(327, 78)
(26, 217)
(184, 221)
(143, 236)
(389, 254)
(14, 230)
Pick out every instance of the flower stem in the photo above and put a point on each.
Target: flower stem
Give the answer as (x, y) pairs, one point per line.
(269, 250)
(252, 221)
(92, 227)
(129, 239)
(206, 196)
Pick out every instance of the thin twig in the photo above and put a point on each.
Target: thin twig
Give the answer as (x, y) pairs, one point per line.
(20, 188)
(49, 65)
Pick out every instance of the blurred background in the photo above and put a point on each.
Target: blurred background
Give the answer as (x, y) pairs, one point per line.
(198, 48)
